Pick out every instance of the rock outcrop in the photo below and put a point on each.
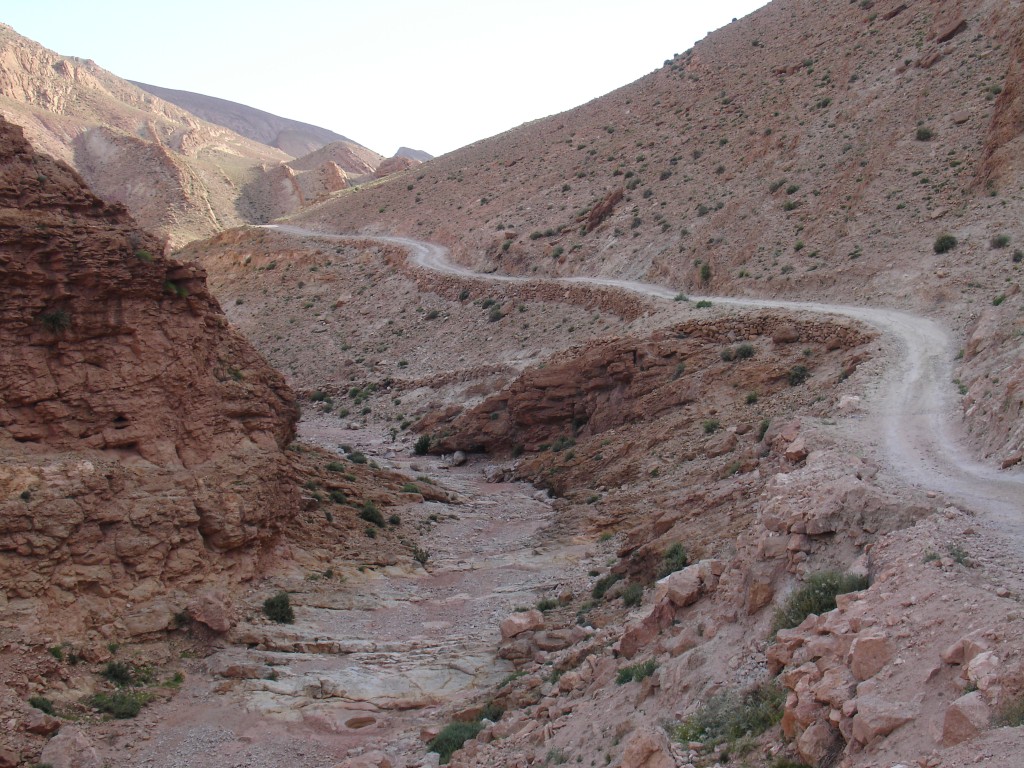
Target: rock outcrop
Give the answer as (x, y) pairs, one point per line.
(142, 436)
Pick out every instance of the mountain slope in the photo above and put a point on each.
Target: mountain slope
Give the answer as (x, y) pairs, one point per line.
(180, 176)
(809, 150)
(290, 136)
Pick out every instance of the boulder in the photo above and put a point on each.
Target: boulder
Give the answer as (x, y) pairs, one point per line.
(868, 654)
(41, 723)
(681, 588)
(965, 718)
(155, 617)
(70, 748)
(521, 621)
(648, 748)
(9, 758)
(817, 742)
(877, 717)
(210, 609)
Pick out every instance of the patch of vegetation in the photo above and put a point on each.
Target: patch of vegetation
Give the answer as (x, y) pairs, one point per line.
(674, 559)
(924, 134)
(944, 243)
(452, 737)
(422, 445)
(751, 398)
(730, 715)
(410, 488)
(636, 672)
(817, 596)
(547, 604)
(371, 514)
(703, 304)
(279, 608)
(745, 351)
(762, 429)
(42, 703)
(711, 426)
(999, 241)
(958, 553)
(120, 673)
(420, 555)
(1011, 714)
(633, 594)
(797, 375)
(680, 297)
(122, 705)
(56, 321)
(602, 585)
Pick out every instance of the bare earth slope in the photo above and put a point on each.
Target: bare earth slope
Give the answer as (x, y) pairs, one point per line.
(180, 176)
(808, 150)
(290, 136)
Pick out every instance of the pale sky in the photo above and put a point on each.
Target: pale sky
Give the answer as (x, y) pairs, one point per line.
(386, 73)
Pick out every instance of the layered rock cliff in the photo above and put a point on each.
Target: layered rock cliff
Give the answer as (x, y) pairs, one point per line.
(142, 437)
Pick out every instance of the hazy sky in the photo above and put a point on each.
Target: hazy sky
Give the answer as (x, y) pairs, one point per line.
(432, 76)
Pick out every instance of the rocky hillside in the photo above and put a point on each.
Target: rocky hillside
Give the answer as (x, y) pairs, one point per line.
(290, 136)
(807, 150)
(142, 436)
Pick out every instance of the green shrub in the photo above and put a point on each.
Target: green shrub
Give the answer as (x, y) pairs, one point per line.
(711, 426)
(279, 608)
(674, 559)
(122, 705)
(705, 273)
(547, 604)
(924, 134)
(633, 594)
(42, 703)
(817, 596)
(703, 304)
(421, 556)
(999, 241)
(602, 585)
(371, 514)
(944, 243)
(338, 497)
(797, 375)
(422, 445)
(56, 321)
(357, 457)
(745, 351)
(57, 652)
(728, 355)
(1011, 714)
(762, 429)
(452, 737)
(119, 673)
(636, 672)
(731, 715)
(410, 488)
(751, 398)
(1018, 256)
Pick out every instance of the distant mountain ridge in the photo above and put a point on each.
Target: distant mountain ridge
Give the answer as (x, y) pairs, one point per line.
(414, 154)
(291, 136)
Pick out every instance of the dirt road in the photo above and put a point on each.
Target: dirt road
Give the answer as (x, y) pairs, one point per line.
(912, 407)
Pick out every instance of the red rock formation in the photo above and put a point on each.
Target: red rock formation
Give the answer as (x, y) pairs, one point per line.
(141, 435)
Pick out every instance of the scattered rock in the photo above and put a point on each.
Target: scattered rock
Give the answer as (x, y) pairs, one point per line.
(648, 748)
(71, 748)
(965, 718)
(521, 621)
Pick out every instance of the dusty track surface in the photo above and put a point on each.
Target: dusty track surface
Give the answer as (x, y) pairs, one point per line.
(912, 406)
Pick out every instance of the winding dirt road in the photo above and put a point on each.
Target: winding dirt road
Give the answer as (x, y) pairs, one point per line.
(913, 409)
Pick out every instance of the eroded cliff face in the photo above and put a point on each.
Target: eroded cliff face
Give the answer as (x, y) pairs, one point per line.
(142, 438)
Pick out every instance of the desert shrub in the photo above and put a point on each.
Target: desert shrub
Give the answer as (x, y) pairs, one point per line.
(711, 426)
(42, 703)
(924, 134)
(410, 488)
(602, 585)
(636, 672)
(703, 304)
(944, 243)
(338, 497)
(745, 351)
(674, 559)
(56, 321)
(421, 556)
(1018, 256)
(547, 604)
(422, 445)
(279, 608)
(705, 272)
(357, 457)
(371, 514)
(797, 375)
(57, 652)
(731, 715)
(495, 314)
(120, 704)
(728, 355)
(762, 429)
(452, 737)
(633, 594)
(817, 596)
(751, 398)
(464, 294)
(999, 241)
(1011, 714)
(119, 673)
(958, 553)
(394, 520)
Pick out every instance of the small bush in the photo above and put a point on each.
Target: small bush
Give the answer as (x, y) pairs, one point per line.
(371, 514)
(357, 457)
(1018, 256)
(944, 243)
(56, 321)
(817, 596)
(924, 134)
(762, 429)
(57, 652)
(674, 559)
(797, 375)
(547, 604)
(633, 594)
(42, 703)
(452, 737)
(1011, 714)
(279, 608)
(636, 672)
(745, 351)
(751, 398)
(410, 488)
(338, 497)
(395, 520)
(602, 585)
(730, 715)
(705, 273)
(422, 445)
(120, 704)
(728, 355)
(711, 426)
(421, 556)
(703, 304)
(119, 673)
(999, 241)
